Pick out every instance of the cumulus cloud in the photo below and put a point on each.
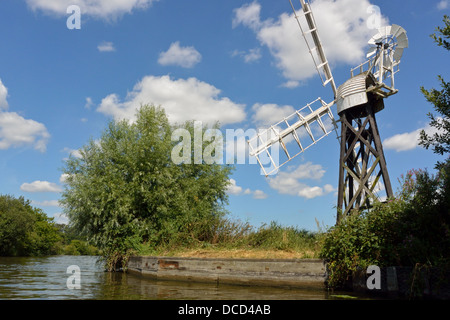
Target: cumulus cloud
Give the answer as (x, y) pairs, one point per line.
(182, 100)
(266, 114)
(249, 56)
(233, 188)
(185, 57)
(40, 186)
(89, 103)
(105, 9)
(291, 182)
(236, 190)
(290, 84)
(16, 131)
(403, 142)
(249, 15)
(106, 46)
(443, 4)
(46, 203)
(73, 152)
(259, 194)
(342, 26)
(406, 141)
(63, 177)
(61, 218)
(3, 96)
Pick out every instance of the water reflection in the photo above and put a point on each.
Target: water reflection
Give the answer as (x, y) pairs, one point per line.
(136, 287)
(46, 278)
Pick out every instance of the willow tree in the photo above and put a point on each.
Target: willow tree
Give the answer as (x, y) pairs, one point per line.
(125, 189)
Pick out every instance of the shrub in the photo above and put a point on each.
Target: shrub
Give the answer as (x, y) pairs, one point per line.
(125, 189)
(411, 229)
(25, 230)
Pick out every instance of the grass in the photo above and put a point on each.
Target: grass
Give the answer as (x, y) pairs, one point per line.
(248, 253)
(231, 239)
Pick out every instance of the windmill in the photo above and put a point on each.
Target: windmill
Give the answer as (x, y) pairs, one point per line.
(362, 165)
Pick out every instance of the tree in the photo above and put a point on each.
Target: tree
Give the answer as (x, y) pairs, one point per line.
(15, 222)
(445, 33)
(439, 141)
(25, 230)
(125, 189)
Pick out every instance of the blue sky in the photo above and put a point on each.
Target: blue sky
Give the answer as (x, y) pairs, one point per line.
(242, 63)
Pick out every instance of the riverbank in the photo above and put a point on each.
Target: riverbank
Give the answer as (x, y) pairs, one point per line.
(293, 273)
(236, 253)
(305, 274)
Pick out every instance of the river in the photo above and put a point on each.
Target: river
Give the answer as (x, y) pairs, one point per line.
(53, 278)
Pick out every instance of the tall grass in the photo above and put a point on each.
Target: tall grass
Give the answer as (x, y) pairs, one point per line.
(224, 234)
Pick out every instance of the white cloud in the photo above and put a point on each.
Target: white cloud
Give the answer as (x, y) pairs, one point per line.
(185, 57)
(46, 203)
(406, 141)
(342, 26)
(236, 190)
(267, 114)
(291, 84)
(252, 55)
(444, 4)
(182, 100)
(40, 186)
(248, 14)
(403, 142)
(106, 46)
(3, 96)
(16, 131)
(61, 218)
(259, 194)
(290, 182)
(233, 188)
(89, 103)
(105, 9)
(73, 152)
(63, 177)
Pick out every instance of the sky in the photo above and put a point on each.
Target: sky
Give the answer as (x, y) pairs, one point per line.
(242, 63)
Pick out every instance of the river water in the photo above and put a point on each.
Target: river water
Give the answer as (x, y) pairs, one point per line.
(53, 278)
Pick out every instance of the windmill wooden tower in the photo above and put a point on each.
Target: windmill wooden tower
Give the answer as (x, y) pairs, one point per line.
(362, 165)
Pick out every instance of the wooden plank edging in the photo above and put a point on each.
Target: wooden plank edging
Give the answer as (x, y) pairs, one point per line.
(304, 273)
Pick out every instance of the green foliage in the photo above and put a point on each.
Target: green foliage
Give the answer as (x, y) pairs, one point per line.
(275, 236)
(80, 248)
(439, 140)
(443, 34)
(413, 228)
(25, 230)
(226, 235)
(125, 190)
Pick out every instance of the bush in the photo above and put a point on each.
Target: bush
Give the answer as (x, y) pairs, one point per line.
(80, 248)
(411, 229)
(24, 230)
(274, 236)
(125, 189)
